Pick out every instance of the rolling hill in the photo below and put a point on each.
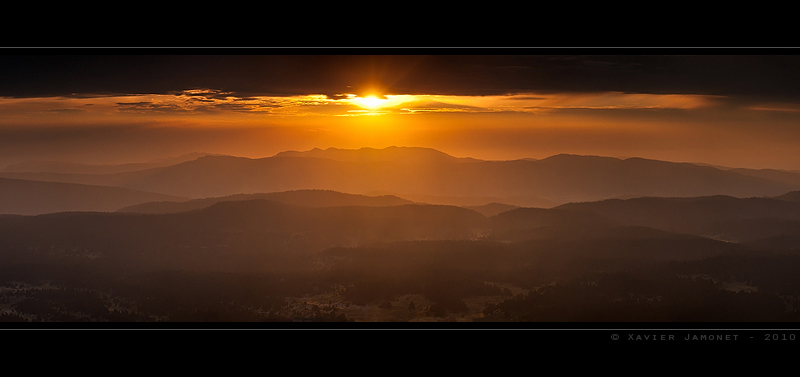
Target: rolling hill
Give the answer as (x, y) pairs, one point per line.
(721, 217)
(419, 172)
(311, 198)
(230, 233)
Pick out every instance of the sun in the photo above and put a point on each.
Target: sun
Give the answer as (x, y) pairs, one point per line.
(370, 101)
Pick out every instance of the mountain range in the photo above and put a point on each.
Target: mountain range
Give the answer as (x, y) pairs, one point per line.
(320, 235)
(420, 175)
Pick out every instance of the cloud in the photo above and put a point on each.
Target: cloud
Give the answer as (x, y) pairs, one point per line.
(150, 106)
(439, 106)
(67, 110)
(269, 75)
(779, 107)
(556, 102)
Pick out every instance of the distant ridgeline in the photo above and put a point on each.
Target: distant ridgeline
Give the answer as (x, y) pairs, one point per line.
(416, 174)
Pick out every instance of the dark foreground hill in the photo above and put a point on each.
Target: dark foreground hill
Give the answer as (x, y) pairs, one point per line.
(721, 217)
(255, 227)
(259, 260)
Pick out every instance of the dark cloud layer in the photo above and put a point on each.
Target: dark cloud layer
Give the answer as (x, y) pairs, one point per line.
(479, 72)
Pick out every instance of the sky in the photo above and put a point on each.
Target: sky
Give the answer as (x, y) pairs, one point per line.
(737, 109)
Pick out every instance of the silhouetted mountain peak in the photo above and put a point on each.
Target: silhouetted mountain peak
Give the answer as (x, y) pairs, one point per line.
(390, 154)
(583, 159)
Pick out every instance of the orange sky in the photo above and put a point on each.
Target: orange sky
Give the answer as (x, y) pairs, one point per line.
(673, 127)
(684, 126)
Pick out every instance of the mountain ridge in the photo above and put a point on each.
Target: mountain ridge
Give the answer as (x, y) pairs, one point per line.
(415, 172)
(368, 154)
(311, 198)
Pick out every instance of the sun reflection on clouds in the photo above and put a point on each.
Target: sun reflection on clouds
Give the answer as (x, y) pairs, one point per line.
(526, 103)
(197, 103)
(776, 107)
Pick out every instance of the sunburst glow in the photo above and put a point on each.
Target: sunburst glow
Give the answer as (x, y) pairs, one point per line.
(370, 102)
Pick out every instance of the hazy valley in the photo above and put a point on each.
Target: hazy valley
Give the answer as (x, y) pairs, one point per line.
(398, 234)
